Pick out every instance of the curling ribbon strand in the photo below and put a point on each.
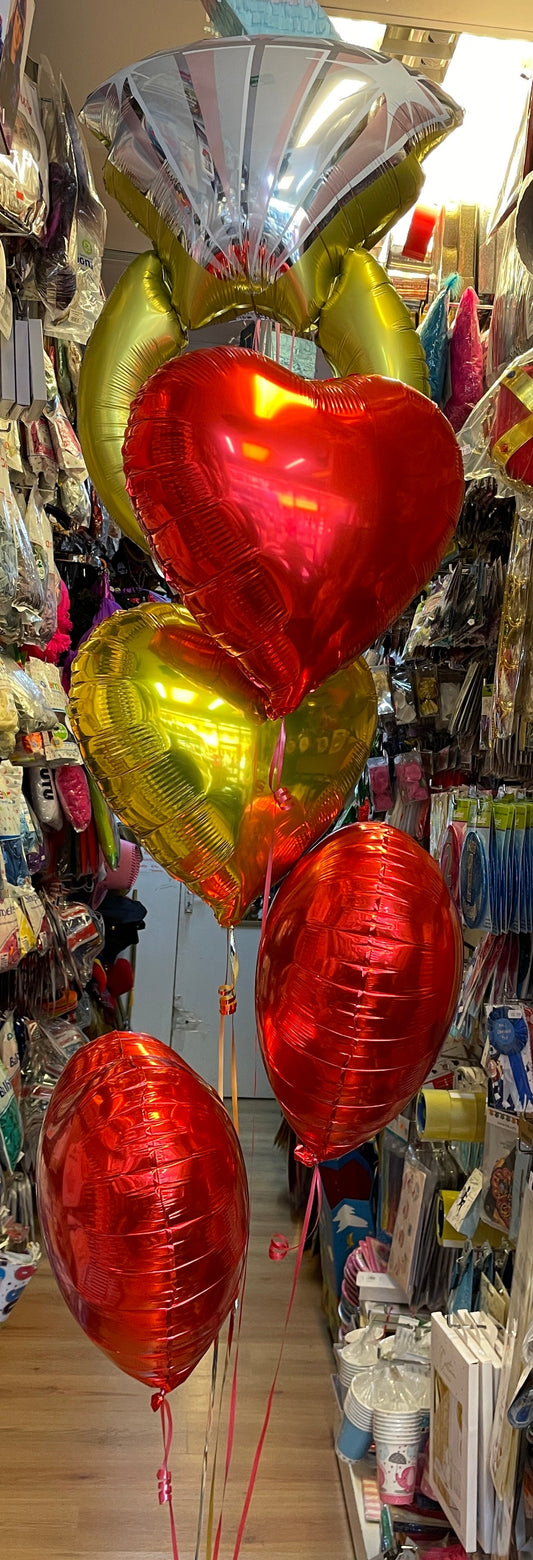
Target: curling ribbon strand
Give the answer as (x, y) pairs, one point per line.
(164, 1476)
(315, 1188)
(207, 1438)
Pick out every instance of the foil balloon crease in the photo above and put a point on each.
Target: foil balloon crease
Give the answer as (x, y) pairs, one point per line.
(358, 976)
(300, 518)
(174, 734)
(143, 1203)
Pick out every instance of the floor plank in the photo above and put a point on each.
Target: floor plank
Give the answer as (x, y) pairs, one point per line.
(80, 1446)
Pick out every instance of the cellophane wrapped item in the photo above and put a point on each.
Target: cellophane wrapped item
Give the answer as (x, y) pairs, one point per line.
(56, 261)
(466, 361)
(497, 438)
(91, 222)
(33, 713)
(24, 171)
(41, 538)
(511, 330)
(513, 639)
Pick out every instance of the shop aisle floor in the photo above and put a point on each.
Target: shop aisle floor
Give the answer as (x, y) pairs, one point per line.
(80, 1445)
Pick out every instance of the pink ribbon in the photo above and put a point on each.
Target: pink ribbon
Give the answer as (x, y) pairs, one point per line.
(164, 1476)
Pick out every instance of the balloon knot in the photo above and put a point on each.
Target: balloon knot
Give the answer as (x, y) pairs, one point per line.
(227, 1000)
(305, 1156)
(283, 799)
(164, 1485)
(157, 1400)
(278, 1248)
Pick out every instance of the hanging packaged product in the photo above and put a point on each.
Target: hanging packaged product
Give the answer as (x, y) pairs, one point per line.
(382, 685)
(474, 872)
(380, 785)
(24, 172)
(466, 361)
(10, 1123)
(56, 261)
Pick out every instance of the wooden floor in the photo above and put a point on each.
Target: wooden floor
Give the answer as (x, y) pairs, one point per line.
(80, 1445)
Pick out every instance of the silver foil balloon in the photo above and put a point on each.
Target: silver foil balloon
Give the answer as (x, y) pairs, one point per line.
(248, 148)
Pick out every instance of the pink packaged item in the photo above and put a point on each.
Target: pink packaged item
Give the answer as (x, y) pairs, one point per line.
(380, 786)
(122, 879)
(411, 779)
(466, 362)
(74, 795)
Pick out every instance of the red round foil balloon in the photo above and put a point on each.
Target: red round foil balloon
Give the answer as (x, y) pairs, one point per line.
(357, 981)
(295, 517)
(143, 1203)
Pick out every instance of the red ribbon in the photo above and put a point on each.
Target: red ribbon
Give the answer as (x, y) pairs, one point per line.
(164, 1476)
(315, 1188)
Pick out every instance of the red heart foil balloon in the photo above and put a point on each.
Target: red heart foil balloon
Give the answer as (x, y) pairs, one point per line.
(296, 518)
(357, 979)
(143, 1202)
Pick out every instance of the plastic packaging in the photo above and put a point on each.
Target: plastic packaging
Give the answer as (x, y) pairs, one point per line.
(382, 684)
(10, 1123)
(402, 693)
(91, 221)
(412, 784)
(466, 361)
(34, 714)
(433, 334)
(74, 795)
(56, 261)
(511, 328)
(380, 786)
(497, 439)
(24, 173)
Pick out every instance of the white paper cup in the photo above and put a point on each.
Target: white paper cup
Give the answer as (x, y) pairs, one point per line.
(357, 1412)
(397, 1440)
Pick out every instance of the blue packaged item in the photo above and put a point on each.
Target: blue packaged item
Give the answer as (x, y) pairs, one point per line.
(433, 334)
(509, 1062)
(475, 870)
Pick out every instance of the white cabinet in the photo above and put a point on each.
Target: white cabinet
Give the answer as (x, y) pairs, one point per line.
(181, 962)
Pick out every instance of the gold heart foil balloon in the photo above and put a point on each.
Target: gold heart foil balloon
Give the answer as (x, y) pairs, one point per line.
(168, 726)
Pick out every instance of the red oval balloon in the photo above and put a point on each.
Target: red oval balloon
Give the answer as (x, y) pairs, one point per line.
(357, 980)
(143, 1202)
(296, 518)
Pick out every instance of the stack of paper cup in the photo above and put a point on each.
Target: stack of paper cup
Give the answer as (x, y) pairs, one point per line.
(350, 1360)
(397, 1436)
(355, 1434)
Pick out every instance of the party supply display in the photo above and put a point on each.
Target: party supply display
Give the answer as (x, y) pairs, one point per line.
(170, 728)
(299, 517)
(357, 981)
(143, 1204)
(266, 222)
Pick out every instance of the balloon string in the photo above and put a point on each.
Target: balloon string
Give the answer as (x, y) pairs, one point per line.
(315, 1188)
(279, 1246)
(291, 353)
(234, 1081)
(256, 344)
(274, 779)
(211, 1510)
(210, 1411)
(164, 1476)
(230, 1435)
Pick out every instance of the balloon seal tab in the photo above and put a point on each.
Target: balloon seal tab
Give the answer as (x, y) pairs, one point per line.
(304, 1156)
(227, 999)
(157, 1399)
